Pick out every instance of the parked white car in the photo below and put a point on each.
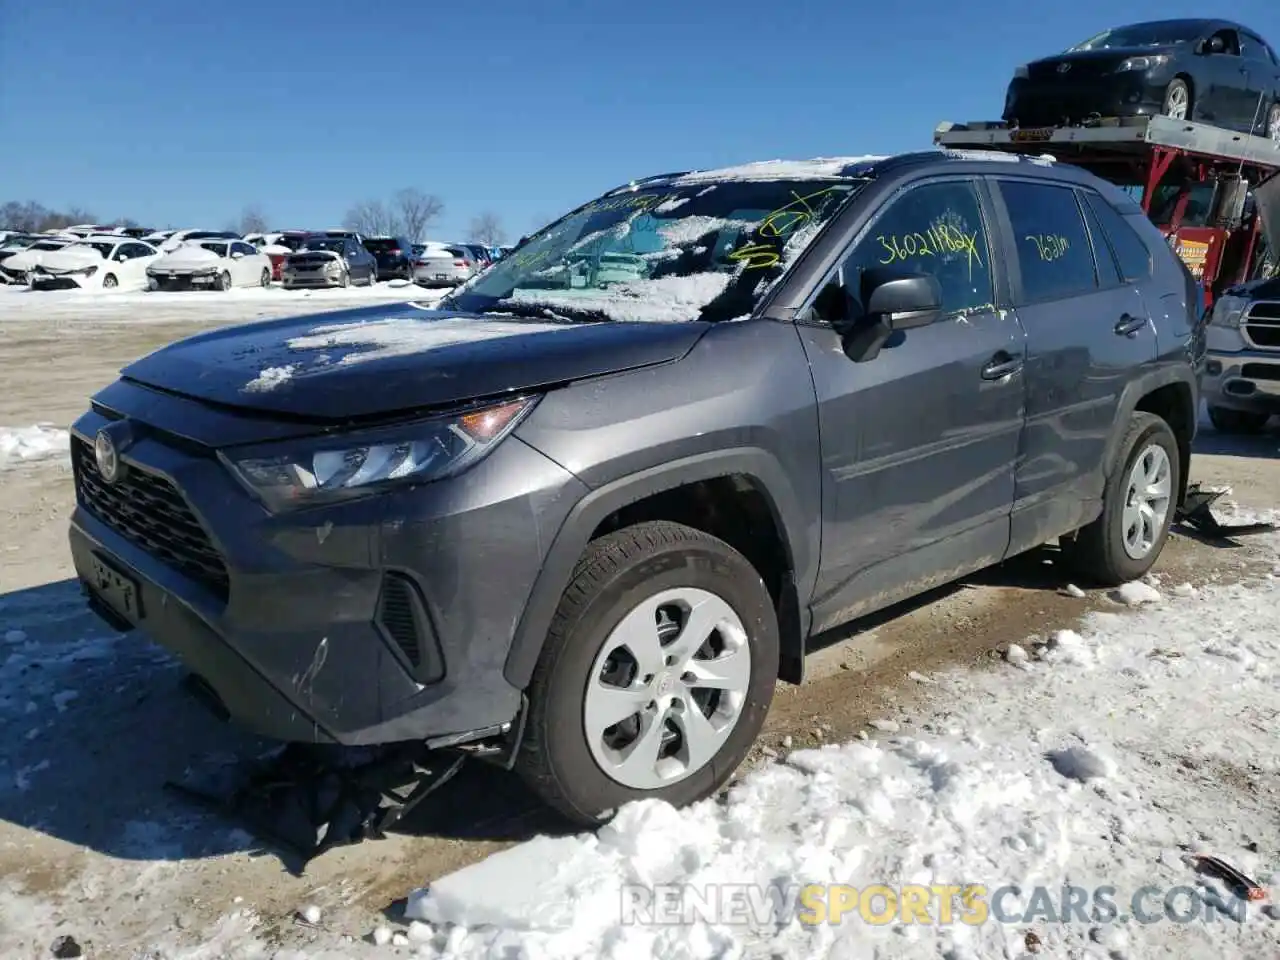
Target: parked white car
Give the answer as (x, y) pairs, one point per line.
(179, 237)
(211, 264)
(438, 264)
(98, 262)
(17, 268)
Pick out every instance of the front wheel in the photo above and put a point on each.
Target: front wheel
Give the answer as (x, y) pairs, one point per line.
(1177, 100)
(1138, 505)
(344, 278)
(224, 281)
(656, 674)
(265, 280)
(1226, 420)
(109, 282)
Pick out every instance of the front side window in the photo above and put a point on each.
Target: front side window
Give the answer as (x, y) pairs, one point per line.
(691, 248)
(1054, 252)
(936, 229)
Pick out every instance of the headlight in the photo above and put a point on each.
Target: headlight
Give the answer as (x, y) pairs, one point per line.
(339, 468)
(1143, 63)
(1228, 310)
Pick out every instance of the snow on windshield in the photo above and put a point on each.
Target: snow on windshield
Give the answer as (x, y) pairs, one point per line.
(669, 252)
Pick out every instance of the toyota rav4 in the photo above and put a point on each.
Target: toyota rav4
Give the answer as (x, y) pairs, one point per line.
(591, 515)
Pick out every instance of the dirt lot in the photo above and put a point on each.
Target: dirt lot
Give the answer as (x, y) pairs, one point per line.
(93, 723)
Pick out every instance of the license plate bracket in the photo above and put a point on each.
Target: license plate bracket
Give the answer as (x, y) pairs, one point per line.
(115, 589)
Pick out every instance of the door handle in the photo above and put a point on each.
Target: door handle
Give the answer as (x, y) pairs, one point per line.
(1128, 325)
(1001, 366)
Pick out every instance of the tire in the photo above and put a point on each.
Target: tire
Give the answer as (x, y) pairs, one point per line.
(619, 575)
(1226, 420)
(344, 278)
(265, 280)
(109, 282)
(373, 279)
(1098, 551)
(224, 281)
(1273, 123)
(1177, 100)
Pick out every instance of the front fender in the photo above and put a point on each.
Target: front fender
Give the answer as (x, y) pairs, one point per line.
(575, 533)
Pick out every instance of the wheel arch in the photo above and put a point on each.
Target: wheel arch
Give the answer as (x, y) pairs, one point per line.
(656, 493)
(1173, 396)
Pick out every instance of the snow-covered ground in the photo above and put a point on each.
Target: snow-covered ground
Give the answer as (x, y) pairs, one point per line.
(39, 441)
(1086, 767)
(22, 303)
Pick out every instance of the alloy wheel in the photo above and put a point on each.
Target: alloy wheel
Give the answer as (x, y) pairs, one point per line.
(667, 688)
(1148, 495)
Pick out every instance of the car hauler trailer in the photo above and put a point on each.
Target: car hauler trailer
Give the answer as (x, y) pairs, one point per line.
(1195, 181)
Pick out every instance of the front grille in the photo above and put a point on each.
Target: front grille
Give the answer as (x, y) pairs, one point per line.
(1261, 324)
(147, 510)
(1261, 371)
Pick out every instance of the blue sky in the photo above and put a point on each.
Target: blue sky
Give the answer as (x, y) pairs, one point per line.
(181, 114)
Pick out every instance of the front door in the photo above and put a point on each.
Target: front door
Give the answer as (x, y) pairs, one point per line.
(919, 443)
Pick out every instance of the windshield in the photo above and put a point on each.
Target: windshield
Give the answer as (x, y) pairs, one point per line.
(1164, 202)
(382, 245)
(101, 246)
(219, 248)
(324, 243)
(1157, 34)
(693, 249)
(48, 245)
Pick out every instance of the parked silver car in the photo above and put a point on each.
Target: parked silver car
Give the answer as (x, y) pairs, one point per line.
(437, 264)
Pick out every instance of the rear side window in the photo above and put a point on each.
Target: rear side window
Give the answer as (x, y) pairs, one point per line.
(1131, 253)
(1054, 254)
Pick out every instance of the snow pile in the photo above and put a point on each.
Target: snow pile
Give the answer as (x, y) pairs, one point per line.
(277, 249)
(664, 300)
(270, 378)
(401, 336)
(1109, 754)
(39, 442)
(819, 168)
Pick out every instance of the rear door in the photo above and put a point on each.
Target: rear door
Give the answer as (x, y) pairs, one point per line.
(1088, 333)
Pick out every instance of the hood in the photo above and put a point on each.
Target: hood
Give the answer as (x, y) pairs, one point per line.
(315, 255)
(70, 258)
(1267, 196)
(1092, 62)
(187, 258)
(379, 360)
(27, 259)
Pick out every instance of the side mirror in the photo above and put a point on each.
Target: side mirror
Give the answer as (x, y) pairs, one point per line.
(237, 255)
(893, 302)
(121, 258)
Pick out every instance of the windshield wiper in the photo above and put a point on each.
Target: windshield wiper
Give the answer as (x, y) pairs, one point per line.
(536, 311)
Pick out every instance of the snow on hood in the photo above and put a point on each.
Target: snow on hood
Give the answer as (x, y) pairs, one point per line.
(665, 300)
(275, 248)
(190, 255)
(27, 258)
(69, 257)
(819, 168)
(317, 253)
(400, 336)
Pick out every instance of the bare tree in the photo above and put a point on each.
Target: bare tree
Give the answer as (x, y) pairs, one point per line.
(487, 229)
(252, 220)
(372, 218)
(416, 211)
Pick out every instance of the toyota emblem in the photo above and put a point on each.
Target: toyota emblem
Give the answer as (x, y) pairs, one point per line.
(1064, 67)
(104, 451)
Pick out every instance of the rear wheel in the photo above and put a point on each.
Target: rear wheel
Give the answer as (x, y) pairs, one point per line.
(1226, 420)
(1138, 506)
(656, 674)
(224, 281)
(109, 282)
(1177, 100)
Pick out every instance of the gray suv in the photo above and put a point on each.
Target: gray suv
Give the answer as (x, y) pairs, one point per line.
(582, 519)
